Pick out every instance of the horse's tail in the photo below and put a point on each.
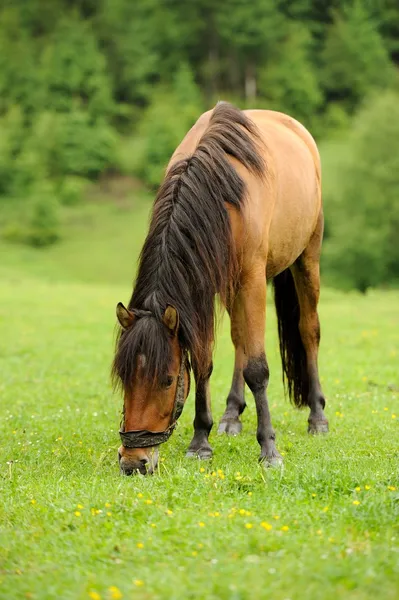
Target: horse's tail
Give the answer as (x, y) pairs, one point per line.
(292, 352)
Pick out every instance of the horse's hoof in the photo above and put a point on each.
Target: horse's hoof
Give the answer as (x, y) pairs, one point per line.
(316, 427)
(230, 426)
(202, 453)
(276, 460)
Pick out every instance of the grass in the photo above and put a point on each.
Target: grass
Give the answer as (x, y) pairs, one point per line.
(325, 526)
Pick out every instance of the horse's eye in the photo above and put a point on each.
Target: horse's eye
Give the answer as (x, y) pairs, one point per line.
(169, 381)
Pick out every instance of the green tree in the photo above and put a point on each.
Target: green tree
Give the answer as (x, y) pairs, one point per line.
(363, 213)
(289, 82)
(73, 71)
(249, 32)
(355, 60)
(167, 120)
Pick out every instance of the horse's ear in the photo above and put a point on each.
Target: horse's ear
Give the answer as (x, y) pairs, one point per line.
(124, 316)
(171, 319)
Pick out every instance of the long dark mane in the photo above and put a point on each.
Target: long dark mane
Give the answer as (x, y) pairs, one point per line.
(188, 256)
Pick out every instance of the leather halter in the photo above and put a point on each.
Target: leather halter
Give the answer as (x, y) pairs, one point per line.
(144, 438)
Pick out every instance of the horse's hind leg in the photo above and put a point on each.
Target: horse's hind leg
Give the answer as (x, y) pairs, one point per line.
(306, 273)
(230, 422)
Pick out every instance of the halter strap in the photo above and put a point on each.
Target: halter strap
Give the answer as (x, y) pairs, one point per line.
(144, 438)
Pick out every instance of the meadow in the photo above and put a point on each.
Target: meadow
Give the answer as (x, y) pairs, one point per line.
(325, 526)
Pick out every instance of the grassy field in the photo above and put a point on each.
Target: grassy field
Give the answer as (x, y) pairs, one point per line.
(323, 527)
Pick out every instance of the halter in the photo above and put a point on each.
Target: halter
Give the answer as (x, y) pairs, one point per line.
(144, 438)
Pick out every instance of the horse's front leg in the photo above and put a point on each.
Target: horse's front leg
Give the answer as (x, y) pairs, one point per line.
(230, 422)
(199, 446)
(256, 370)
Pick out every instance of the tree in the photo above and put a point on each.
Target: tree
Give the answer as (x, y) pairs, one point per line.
(289, 82)
(355, 60)
(363, 249)
(249, 32)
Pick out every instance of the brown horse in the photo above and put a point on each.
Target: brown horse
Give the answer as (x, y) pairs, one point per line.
(240, 204)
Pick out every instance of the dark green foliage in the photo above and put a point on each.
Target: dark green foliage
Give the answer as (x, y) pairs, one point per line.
(73, 71)
(363, 212)
(90, 87)
(355, 59)
(163, 127)
(289, 84)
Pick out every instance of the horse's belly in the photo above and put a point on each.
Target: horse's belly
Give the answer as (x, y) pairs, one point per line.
(296, 202)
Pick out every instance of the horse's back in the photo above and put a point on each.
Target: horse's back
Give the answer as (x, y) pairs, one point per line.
(282, 211)
(291, 203)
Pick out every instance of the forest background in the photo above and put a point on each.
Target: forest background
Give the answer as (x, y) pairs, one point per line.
(95, 96)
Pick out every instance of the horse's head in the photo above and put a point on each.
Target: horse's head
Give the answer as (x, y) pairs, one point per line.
(154, 372)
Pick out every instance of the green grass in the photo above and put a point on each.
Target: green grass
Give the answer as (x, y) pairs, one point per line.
(72, 527)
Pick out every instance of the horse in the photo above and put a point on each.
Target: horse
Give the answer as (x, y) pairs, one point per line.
(240, 205)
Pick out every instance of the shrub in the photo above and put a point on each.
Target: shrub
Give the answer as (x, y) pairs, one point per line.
(43, 227)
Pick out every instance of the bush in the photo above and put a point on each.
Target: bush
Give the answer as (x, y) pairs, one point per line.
(43, 227)
(84, 148)
(71, 190)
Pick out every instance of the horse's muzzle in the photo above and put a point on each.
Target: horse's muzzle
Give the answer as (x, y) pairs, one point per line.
(138, 460)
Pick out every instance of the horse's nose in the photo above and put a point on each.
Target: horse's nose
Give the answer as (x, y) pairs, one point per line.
(133, 461)
(129, 467)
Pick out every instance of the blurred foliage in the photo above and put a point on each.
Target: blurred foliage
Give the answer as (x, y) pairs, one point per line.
(363, 250)
(94, 87)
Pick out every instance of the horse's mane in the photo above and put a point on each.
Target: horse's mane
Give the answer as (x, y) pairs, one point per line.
(188, 256)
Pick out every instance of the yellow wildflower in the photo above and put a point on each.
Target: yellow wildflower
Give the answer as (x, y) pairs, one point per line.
(266, 526)
(326, 509)
(356, 502)
(153, 524)
(148, 501)
(201, 524)
(79, 506)
(109, 513)
(367, 487)
(392, 488)
(107, 505)
(169, 512)
(358, 488)
(194, 553)
(94, 595)
(276, 517)
(33, 501)
(138, 582)
(77, 513)
(115, 592)
(202, 470)
(139, 495)
(140, 545)
(319, 532)
(248, 525)
(285, 528)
